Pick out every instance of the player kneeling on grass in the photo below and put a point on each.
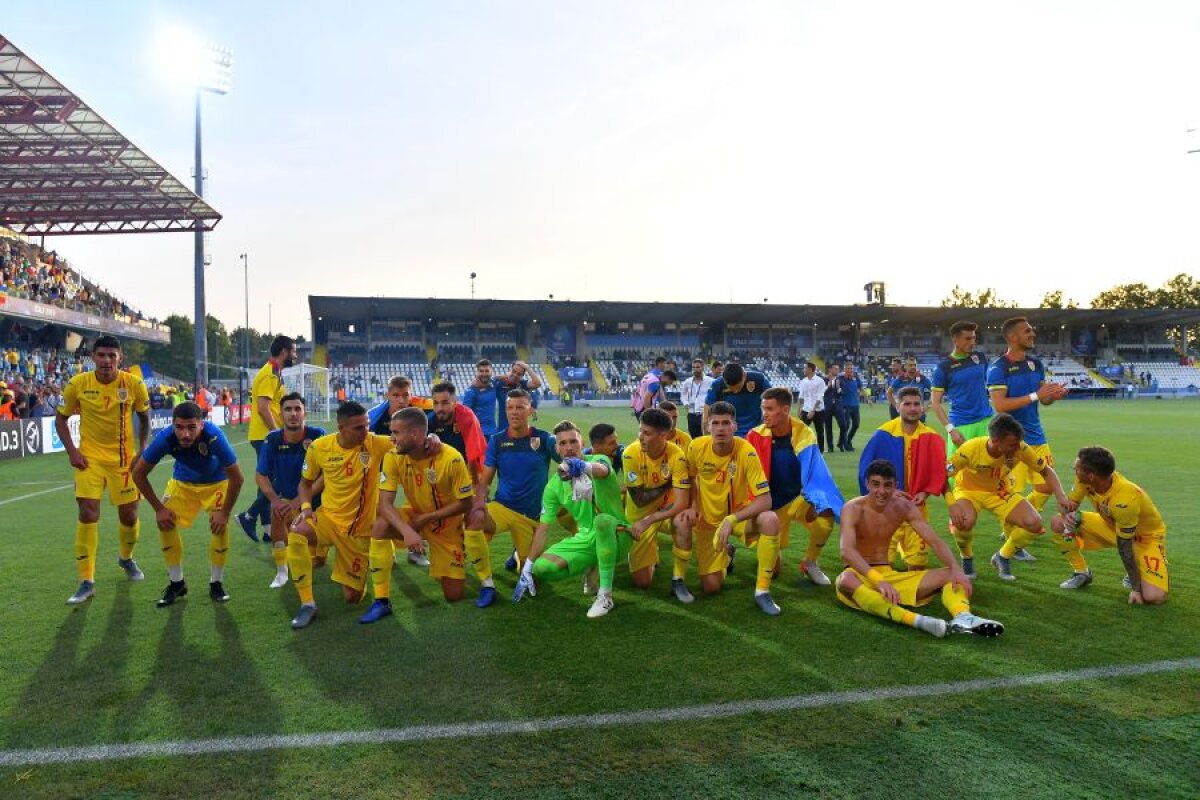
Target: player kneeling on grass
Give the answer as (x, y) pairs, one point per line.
(349, 461)
(869, 582)
(731, 496)
(280, 459)
(590, 491)
(983, 467)
(1125, 518)
(437, 491)
(206, 478)
(657, 488)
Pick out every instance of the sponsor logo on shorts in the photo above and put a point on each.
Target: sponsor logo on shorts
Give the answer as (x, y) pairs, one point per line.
(631, 476)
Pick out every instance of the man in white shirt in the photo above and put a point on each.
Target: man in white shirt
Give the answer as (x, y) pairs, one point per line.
(812, 395)
(692, 393)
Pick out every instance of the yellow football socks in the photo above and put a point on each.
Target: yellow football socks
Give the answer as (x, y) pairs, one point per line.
(383, 551)
(477, 553)
(768, 554)
(87, 541)
(300, 564)
(128, 538)
(818, 534)
(680, 559)
(955, 599)
(872, 602)
(1070, 549)
(1014, 539)
(279, 553)
(965, 541)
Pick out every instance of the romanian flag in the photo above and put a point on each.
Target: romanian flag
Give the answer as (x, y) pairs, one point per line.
(819, 486)
(924, 469)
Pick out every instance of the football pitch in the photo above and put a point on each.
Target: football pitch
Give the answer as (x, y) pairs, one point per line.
(1083, 696)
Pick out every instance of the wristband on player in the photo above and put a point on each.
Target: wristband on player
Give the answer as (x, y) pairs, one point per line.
(949, 427)
(874, 576)
(1033, 397)
(731, 519)
(306, 506)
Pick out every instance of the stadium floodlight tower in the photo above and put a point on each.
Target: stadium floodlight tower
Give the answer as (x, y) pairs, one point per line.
(208, 68)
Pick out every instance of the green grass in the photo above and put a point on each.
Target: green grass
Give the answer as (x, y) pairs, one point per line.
(121, 670)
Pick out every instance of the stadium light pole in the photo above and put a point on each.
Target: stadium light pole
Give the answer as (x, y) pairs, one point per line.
(245, 329)
(213, 68)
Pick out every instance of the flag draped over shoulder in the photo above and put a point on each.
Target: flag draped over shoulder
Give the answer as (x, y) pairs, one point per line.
(928, 463)
(819, 487)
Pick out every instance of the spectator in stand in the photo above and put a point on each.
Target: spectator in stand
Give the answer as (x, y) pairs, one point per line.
(7, 404)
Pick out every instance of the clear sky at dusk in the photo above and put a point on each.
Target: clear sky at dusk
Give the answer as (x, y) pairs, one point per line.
(651, 150)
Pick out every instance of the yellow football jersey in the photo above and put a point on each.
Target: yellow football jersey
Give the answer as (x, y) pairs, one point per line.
(725, 483)
(106, 434)
(640, 471)
(267, 383)
(351, 492)
(1125, 506)
(681, 439)
(431, 483)
(977, 470)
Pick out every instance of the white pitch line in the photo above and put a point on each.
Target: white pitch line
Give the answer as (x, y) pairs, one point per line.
(505, 727)
(66, 485)
(35, 494)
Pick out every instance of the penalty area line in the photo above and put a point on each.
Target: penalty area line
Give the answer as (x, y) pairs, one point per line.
(423, 733)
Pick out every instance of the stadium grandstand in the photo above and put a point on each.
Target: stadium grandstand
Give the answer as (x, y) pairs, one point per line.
(599, 350)
(65, 170)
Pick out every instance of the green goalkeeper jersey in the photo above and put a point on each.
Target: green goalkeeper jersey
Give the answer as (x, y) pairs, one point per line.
(606, 497)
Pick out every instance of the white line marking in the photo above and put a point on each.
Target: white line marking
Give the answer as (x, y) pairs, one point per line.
(35, 494)
(65, 485)
(423, 733)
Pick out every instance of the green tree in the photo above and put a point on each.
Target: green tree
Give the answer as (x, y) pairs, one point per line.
(1127, 295)
(1055, 300)
(984, 298)
(175, 359)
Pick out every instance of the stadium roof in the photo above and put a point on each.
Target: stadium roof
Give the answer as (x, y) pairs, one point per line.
(355, 309)
(64, 169)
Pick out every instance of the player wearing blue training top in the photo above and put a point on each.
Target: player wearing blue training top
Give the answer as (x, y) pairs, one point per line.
(1017, 385)
(520, 457)
(206, 477)
(742, 388)
(487, 396)
(280, 462)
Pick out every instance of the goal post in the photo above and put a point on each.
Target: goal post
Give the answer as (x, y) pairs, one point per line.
(312, 382)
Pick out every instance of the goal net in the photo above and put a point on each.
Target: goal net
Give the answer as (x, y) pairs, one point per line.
(312, 382)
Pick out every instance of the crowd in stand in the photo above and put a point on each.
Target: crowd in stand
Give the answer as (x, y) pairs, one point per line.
(29, 272)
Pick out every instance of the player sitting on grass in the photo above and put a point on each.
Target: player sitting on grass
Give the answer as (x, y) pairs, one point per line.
(869, 582)
(1125, 518)
(588, 488)
(437, 493)
(206, 477)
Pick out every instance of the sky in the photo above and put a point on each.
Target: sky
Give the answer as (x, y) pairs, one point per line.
(621, 150)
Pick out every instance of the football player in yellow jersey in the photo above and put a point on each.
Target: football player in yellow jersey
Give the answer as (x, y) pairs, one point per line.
(654, 473)
(681, 439)
(730, 497)
(266, 395)
(349, 460)
(983, 467)
(870, 584)
(106, 399)
(1125, 518)
(438, 492)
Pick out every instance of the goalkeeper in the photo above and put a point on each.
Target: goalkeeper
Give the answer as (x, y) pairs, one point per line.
(590, 491)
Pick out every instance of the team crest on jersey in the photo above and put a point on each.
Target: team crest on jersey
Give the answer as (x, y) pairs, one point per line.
(732, 470)
(534, 443)
(665, 469)
(1030, 365)
(364, 458)
(751, 386)
(431, 475)
(203, 448)
(122, 394)
(975, 358)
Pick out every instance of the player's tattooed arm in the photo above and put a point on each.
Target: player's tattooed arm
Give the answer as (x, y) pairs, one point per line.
(643, 496)
(1125, 548)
